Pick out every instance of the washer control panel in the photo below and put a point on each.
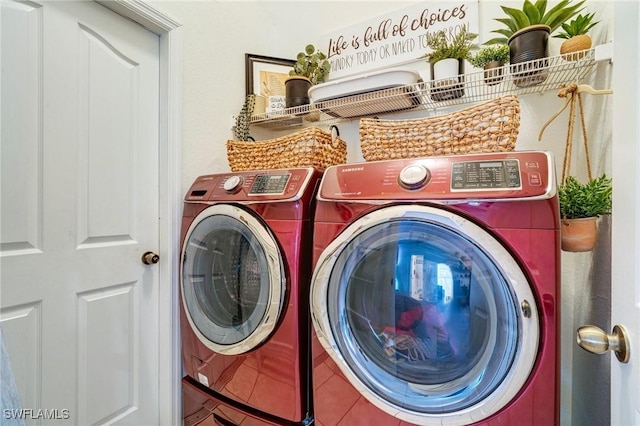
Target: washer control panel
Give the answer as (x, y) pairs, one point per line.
(492, 174)
(500, 175)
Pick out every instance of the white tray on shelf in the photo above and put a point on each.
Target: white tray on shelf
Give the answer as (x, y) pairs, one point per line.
(367, 94)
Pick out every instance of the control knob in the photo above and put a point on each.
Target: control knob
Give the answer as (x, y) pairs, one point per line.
(232, 184)
(414, 176)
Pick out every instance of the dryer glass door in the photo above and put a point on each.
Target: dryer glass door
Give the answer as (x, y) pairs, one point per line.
(423, 314)
(232, 279)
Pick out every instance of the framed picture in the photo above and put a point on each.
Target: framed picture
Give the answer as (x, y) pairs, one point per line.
(266, 75)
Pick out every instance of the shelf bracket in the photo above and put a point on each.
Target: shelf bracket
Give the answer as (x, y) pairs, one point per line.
(603, 52)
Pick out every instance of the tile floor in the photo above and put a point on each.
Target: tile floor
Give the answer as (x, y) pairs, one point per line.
(208, 422)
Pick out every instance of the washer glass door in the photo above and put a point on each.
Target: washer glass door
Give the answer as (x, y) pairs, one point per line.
(422, 311)
(232, 279)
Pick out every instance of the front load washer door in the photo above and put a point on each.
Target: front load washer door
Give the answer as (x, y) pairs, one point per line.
(427, 315)
(232, 279)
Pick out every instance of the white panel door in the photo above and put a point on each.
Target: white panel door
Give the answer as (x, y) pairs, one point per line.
(79, 207)
(625, 290)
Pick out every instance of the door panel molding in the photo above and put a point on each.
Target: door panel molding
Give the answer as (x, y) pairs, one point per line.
(170, 197)
(21, 205)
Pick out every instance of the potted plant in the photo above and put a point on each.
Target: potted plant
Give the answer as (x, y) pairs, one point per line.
(446, 61)
(580, 206)
(527, 35)
(243, 119)
(576, 37)
(491, 59)
(311, 68)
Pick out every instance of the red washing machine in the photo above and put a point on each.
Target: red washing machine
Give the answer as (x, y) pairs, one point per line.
(434, 297)
(244, 290)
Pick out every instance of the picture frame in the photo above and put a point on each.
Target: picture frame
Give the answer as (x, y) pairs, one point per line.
(265, 75)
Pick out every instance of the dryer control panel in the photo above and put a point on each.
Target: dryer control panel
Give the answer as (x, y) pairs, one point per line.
(263, 185)
(269, 183)
(483, 175)
(503, 175)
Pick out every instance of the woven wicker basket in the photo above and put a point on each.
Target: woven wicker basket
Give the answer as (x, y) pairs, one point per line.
(488, 127)
(310, 147)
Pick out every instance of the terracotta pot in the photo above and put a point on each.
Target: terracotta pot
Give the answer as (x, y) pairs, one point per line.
(579, 235)
(297, 91)
(527, 48)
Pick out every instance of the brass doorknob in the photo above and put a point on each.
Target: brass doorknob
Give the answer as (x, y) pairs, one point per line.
(150, 258)
(595, 340)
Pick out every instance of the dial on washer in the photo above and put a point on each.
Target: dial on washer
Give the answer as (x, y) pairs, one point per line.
(414, 176)
(232, 184)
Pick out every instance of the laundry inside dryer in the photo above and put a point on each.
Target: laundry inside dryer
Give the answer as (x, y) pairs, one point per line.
(417, 298)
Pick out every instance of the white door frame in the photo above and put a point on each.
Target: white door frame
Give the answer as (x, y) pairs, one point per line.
(625, 224)
(170, 196)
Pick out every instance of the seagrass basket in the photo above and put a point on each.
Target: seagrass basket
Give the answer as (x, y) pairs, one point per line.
(488, 127)
(310, 147)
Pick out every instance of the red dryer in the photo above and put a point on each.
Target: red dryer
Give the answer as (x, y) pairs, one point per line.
(245, 272)
(434, 296)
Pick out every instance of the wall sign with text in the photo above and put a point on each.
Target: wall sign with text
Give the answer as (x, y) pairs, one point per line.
(399, 37)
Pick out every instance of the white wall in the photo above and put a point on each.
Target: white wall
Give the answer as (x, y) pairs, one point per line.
(217, 34)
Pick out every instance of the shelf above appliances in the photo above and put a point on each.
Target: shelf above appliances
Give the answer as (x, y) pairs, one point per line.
(537, 76)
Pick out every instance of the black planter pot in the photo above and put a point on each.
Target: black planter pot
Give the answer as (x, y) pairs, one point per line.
(297, 91)
(528, 49)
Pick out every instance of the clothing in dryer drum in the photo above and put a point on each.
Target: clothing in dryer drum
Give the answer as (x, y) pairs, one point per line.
(422, 315)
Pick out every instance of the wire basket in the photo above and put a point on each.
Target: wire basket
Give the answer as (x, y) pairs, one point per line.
(310, 147)
(488, 127)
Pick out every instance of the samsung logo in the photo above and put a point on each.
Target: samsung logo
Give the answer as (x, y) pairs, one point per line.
(352, 169)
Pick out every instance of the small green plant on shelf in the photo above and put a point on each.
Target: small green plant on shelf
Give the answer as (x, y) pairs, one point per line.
(312, 64)
(591, 199)
(441, 48)
(534, 14)
(488, 54)
(575, 34)
(578, 26)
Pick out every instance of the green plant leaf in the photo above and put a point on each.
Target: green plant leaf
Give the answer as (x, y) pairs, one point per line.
(503, 32)
(541, 5)
(589, 27)
(496, 40)
(532, 12)
(518, 16)
(311, 63)
(561, 16)
(578, 26)
(498, 52)
(442, 48)
(561, 5)
(510, 23)
(557, 15)
(578, 200)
